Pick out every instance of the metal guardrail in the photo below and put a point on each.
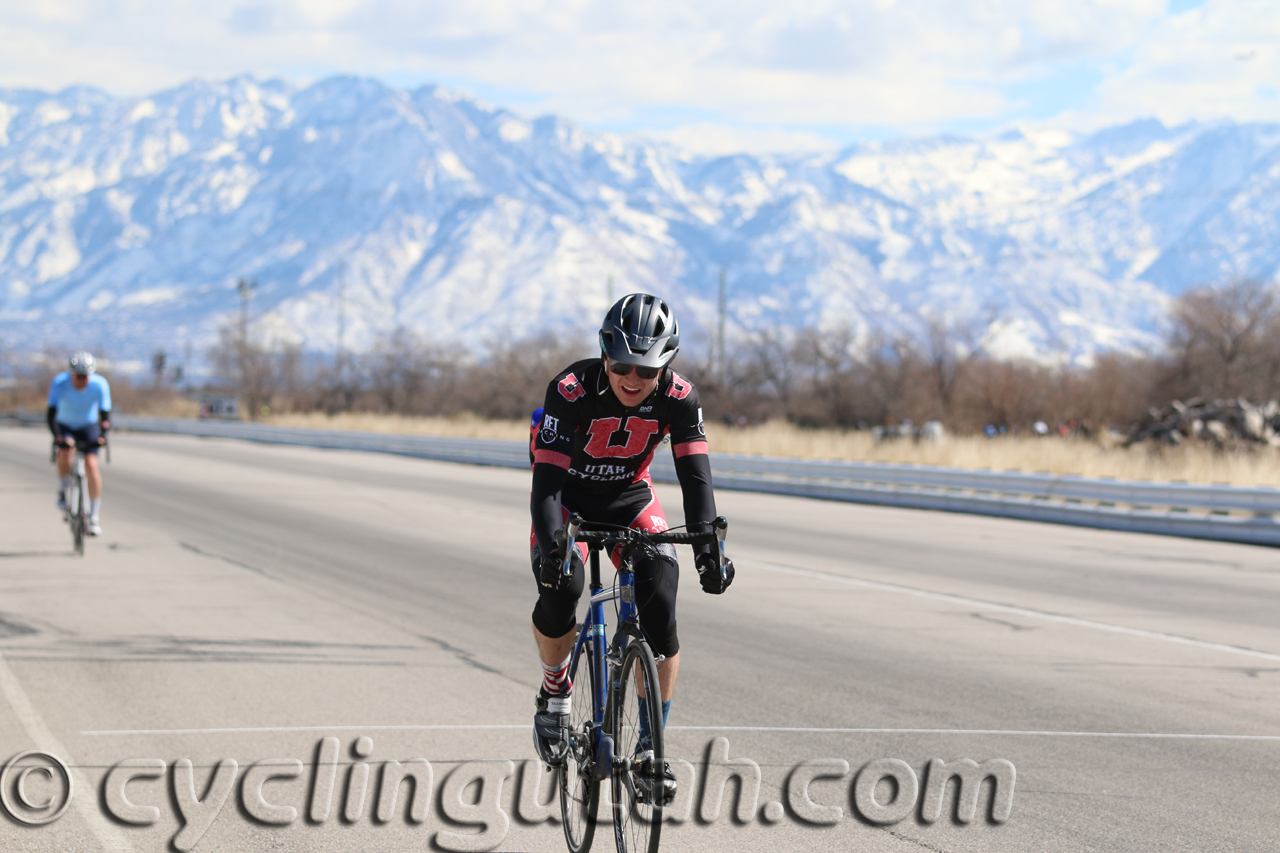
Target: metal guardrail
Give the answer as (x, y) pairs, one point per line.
(1205, 512)
(474, 451)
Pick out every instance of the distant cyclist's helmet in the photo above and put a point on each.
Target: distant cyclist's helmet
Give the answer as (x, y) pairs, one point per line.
(82, 363)
(641, 330)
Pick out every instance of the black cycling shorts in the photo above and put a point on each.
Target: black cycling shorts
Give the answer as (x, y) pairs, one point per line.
(86, 437)
(656, 578)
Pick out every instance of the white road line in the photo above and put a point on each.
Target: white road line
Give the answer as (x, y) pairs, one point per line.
(1008, 608)
(85, 795)
(780, 729)
(252, 729)
(1155, 735)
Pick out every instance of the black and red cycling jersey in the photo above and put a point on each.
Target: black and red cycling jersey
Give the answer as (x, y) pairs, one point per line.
(589, 447)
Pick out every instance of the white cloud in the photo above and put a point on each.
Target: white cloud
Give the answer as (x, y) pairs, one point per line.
(1220, 60)
(695, 70)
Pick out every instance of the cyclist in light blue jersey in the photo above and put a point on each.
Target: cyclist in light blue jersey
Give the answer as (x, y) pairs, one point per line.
(79, 417)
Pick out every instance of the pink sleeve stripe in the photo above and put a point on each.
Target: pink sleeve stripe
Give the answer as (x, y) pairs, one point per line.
(690, 448)
(551, 458)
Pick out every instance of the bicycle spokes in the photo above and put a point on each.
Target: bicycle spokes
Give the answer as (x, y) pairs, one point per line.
(579, 788)
(639, 784)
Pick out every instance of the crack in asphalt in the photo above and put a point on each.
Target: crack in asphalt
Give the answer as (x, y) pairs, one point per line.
(461, 654)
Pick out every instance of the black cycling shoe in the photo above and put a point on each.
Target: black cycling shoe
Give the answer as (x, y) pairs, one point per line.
(642, 775)
(550, 727)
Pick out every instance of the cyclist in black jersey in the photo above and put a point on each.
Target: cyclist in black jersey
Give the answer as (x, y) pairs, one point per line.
(602, 421)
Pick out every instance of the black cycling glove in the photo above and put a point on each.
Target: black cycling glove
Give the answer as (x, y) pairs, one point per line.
(551, 574)
(709, 573)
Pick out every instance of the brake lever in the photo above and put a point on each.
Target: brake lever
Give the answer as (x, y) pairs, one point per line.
(571, 534)
(721, 524)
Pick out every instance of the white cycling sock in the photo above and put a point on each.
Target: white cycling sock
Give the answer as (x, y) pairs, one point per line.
(65, 481)
(93, 507)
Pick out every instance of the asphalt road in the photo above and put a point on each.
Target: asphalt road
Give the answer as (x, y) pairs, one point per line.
(247, 601)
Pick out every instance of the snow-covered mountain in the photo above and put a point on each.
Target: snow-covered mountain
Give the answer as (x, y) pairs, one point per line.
(124, 223)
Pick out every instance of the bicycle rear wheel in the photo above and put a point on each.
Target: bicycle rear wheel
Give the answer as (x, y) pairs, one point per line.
(636, 724)
(579, 787)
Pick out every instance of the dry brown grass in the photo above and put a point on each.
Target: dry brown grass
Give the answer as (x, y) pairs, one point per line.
(1030, 455)
(163, 407)
(466, 426)
(1049, 455)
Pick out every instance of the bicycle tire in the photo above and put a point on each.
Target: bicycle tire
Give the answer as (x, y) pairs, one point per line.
(637, 824)
(77, 515)
(579, 787)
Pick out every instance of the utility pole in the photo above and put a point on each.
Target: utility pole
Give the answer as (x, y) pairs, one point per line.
(246, 287)
(342, 317)
(720, 362)
(609, 291)
(158, 362)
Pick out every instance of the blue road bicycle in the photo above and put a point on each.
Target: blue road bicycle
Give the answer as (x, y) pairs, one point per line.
(615, 724)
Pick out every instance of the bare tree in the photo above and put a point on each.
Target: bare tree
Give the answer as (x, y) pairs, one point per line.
(949, 350)
(247, 366)
(407, 375)
(513, 380)
(770, 361)
(1219, 341)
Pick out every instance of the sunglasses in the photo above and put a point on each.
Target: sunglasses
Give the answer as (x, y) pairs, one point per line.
(625, 370)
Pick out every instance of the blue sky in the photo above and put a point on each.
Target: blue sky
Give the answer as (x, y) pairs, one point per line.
(713, 75)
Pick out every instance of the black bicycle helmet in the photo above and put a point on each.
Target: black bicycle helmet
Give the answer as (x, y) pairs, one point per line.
(82, 363)
(641, 330)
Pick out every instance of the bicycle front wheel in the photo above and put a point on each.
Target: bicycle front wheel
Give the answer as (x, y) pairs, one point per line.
(77, 508)
(638, 779)
(579, 787)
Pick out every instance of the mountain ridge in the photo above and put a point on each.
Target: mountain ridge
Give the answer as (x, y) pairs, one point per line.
(126, 222)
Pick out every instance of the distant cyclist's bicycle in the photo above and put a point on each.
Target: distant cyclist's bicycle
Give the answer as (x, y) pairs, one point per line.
(615, 727)
(76, 496)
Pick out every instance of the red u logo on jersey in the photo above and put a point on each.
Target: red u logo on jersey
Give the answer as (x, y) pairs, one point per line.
(639, 431)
